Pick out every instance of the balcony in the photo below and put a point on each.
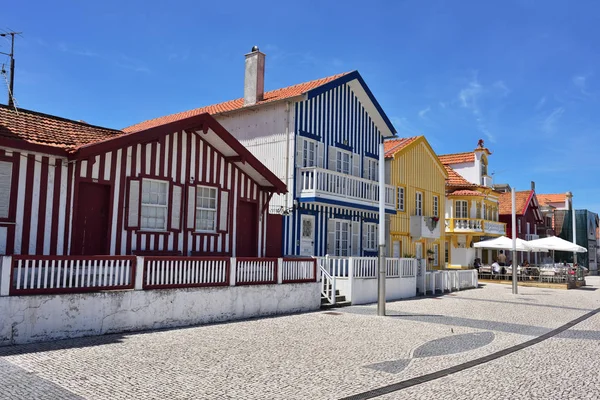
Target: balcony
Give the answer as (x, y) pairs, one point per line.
(422, 227)
(475, 225)
(486, 181)
(531, 236)
(318, 183)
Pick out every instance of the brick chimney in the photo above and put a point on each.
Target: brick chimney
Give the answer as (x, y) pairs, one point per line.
(533, 186)
(254, 77)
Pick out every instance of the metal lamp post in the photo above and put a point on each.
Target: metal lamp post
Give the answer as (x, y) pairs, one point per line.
(381, 274)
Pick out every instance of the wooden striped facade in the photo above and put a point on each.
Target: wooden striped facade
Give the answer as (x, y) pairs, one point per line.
(46, 188)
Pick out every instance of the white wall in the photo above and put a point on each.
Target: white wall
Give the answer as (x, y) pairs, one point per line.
(469, 171)
(463, 257)
(262, 130)
(28, 319)
(364, 290)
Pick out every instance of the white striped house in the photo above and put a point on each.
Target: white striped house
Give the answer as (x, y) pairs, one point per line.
(56, 190)
(322, 139)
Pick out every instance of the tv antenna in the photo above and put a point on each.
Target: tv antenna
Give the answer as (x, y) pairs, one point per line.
(11, 83)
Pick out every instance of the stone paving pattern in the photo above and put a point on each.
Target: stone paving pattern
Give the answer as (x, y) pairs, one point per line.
(330, 355)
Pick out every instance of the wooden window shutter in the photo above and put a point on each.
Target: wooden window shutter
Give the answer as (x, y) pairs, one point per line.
(320, 150)
(299, 152)
(5, 187)
(191, 207)
(365, 168)
(224, 211)
(356, 165)
(133, 204)
(355, 238)
(332, 158)
(331, 237)
(364, 235)
(176, 203)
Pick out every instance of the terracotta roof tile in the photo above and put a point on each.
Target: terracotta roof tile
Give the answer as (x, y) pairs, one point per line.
(392, 146)
(455, 179)
(465, 192)
(231, 105)
(49, 130)
(546, 199)
(521, 201)
(457, 158)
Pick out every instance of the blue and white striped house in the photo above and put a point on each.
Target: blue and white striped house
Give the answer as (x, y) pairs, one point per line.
(322, 139)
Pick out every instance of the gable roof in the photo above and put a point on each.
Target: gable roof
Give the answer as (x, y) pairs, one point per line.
(457, 158)
(392, 146)
(522, 200)
(546, 199)
(455, 179)
(309, 89)
(25, 126)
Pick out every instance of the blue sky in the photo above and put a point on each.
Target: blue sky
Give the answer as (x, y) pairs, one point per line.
(522, 75)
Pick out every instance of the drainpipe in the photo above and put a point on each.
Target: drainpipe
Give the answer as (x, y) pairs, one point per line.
(287, 151)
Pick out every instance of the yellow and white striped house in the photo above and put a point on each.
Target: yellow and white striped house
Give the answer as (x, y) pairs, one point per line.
(417, 228)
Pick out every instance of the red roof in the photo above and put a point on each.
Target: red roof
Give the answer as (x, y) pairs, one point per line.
(455, 179)
(231, 105)
(457, 158)
(546, 199)
(48, 130)
(522, 199)
(392, 146)
(465, 192)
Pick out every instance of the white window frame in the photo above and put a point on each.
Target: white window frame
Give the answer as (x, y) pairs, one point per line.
(436, 254)
(340, 251)
(200, 208)
(373, 169)
(340, 162)
(151, 205)
(401, 194)
(436, 206)
(309, 147)
(418, 203)
(371, 236)
(519, 226)
(457, 209)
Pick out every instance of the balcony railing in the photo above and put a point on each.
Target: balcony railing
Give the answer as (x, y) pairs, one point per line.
(475, 225)
(323, 183)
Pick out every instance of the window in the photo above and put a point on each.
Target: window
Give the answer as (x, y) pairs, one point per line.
(418, 203)
(519, 226)
(370, 236)
(436, 206)
(400, 198)
(154, 204)
(343, 161)
(462, 210)
(478, 210)
(206, 209)
(309, 153)
(5, 187)
(342, 238)
(446, 253)
(372, 169)
(436, 254)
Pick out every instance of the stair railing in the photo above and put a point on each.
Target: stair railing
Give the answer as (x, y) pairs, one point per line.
(327, 282)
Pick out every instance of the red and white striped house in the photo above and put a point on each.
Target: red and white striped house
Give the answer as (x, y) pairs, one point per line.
(185, 187)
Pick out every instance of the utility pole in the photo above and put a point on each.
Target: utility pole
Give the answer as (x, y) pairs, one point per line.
(11, 84)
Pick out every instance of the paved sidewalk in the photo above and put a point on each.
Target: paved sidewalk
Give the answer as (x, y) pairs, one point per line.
(331, 355)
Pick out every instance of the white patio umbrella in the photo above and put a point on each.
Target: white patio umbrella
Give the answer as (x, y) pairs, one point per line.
(557, 244)
(504, 243)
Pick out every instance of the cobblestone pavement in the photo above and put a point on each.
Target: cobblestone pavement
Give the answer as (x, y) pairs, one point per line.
(334, 354)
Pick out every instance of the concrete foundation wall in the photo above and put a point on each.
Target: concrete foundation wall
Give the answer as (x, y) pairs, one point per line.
(26, 319)
(364, 290)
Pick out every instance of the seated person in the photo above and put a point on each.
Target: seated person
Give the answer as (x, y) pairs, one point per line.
(525, 264)
(477, 263)
(496, 268)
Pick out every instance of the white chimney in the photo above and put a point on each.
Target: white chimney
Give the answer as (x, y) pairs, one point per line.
(254, 78)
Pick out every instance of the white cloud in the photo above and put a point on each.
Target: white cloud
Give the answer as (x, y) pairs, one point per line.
(549, 124)
(470, 98)
(580, 82)
(502, 88)
(424, 111)
(540, 103)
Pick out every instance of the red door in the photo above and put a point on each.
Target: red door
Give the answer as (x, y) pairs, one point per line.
(91, 224)
(247, 229)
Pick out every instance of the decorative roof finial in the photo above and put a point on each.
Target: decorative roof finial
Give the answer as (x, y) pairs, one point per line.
(480, 143)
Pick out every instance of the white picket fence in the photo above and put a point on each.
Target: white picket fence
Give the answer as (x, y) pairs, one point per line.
(446, 281)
